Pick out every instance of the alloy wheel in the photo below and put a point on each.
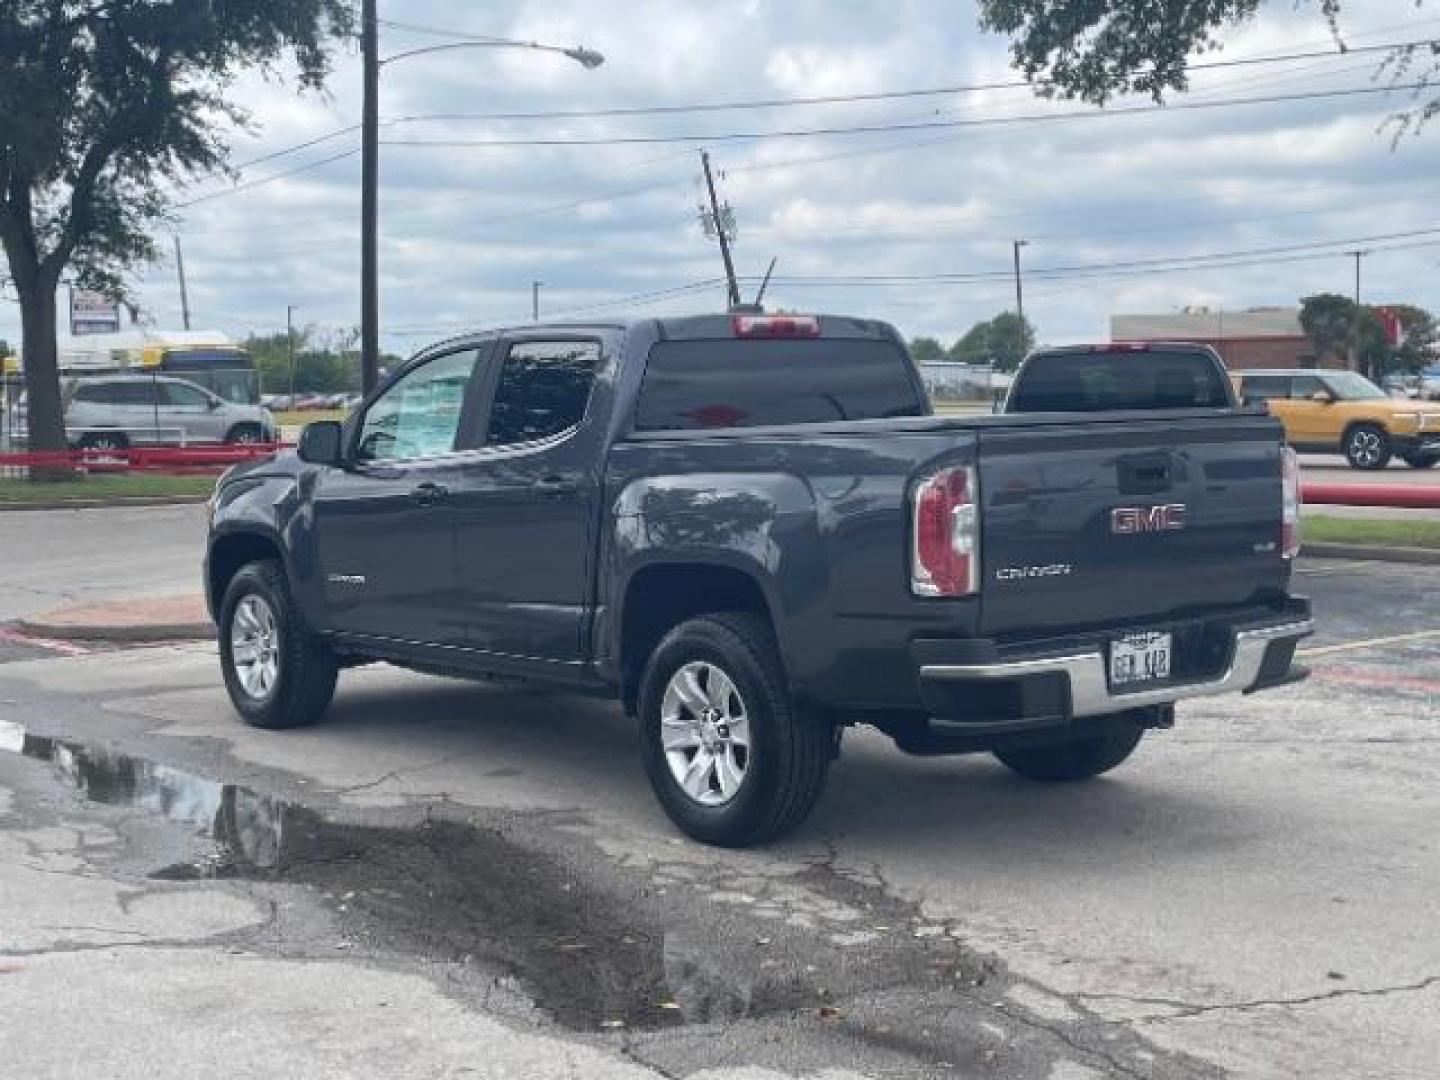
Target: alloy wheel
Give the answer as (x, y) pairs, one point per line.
(255, 646)
(705, 731)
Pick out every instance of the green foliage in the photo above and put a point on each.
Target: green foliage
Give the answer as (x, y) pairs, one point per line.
(5, 350)
(106, 106)
(1335, 324)
(999, 341)
(1095, 49)
(926, 350)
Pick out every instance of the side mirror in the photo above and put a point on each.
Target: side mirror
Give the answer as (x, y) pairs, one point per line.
(322, 443)
(1322, 397)
(214, 404)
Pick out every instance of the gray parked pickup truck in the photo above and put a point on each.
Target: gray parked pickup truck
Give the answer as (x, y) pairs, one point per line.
(751, 530)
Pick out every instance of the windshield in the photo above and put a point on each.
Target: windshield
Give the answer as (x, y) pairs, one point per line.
(1104, 380)
(1349, 386)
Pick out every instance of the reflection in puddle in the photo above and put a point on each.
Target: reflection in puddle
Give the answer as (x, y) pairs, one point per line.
(441, 889)
(248, 827)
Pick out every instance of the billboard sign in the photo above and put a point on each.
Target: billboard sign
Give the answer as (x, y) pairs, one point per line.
(92, 313)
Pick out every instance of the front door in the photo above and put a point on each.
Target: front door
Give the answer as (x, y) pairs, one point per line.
(1311, 422)
(525, 504)
(186, 413)
(385, 524)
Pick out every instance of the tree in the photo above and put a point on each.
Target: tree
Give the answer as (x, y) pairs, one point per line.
(1336, 324)
(1001, 342)
(1419, 333)
(5, 351)
(1094, 49)
(926, 350)
(105, 106)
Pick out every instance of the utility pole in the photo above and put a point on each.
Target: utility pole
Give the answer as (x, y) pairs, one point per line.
(290, 337)
(1020, 296)
(1355, 324)
(535, 300)
(184, 294)
(370, 200)
(720, 231)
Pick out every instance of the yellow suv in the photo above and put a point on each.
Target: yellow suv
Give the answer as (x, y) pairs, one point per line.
(1340, 411)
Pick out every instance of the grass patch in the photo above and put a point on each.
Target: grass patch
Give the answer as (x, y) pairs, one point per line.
(1382, 532)
(106, 488)
(308, 416)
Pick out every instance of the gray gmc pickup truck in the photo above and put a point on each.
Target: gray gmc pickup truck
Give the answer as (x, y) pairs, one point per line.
(753, 532)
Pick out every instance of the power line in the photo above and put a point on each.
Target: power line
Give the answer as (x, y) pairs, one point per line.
(928, 125)
(261, 181)
(777, 103)
(881, 95)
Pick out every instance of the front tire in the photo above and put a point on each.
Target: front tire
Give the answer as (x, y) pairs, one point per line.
(277, 675)
(732, 759)
(245, 435)
(1367, 447)
(1077, 759)
(1416, 461)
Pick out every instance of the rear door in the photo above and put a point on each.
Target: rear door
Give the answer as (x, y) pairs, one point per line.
(385, 525)
(185, 412)
(1113, 521)
(525, 504)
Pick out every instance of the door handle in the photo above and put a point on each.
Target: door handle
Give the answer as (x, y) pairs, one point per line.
(428, 494)
(556, 485)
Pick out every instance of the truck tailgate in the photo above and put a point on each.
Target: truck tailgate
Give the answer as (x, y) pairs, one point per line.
(1127, 521)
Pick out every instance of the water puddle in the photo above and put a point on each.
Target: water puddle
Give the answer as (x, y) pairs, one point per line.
(445, 890)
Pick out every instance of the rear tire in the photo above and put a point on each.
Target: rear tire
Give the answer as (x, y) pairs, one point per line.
(1367, 447)
(277, 675)
(1078, 759)
(732, 759)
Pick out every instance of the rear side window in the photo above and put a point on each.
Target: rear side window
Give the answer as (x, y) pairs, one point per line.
(1257, 388)
(1105, 381)
(735, 383)
(543, 390)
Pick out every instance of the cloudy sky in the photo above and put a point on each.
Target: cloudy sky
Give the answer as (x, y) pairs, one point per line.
(1276, 190)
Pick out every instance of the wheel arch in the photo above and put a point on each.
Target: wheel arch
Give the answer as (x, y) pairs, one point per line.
(231, 551)
(659, 596)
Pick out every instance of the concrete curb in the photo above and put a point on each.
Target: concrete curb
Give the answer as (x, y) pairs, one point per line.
(129, 634)
(104, 504)
(1373, 553)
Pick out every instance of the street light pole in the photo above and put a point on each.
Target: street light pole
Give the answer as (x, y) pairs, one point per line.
(1020, 296)
(535, 300)
(370, 166)
(370, 201)
(1355, 323)
(290, 339)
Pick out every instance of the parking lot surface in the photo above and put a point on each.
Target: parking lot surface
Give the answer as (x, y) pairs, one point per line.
(447, 877)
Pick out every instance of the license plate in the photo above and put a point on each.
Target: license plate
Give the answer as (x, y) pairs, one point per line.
(1138, 659)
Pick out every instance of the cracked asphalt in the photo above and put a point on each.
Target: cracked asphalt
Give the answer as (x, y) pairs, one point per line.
(449, 879)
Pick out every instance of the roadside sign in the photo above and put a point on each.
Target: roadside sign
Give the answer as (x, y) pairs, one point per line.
(92, 313)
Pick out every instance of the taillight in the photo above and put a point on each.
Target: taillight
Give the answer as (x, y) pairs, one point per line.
(775, 326)
(945, 560)
(1290, 504)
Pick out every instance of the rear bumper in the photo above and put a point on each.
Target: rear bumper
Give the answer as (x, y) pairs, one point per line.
(1018, 690)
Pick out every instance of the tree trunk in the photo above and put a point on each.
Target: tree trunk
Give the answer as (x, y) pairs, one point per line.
(40, 355)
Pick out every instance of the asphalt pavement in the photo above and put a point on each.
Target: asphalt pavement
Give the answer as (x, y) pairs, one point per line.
(451, 879)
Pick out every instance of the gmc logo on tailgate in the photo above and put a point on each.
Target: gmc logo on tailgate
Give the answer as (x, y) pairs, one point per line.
(1129, 520)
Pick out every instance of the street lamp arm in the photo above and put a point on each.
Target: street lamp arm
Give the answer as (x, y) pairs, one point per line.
(587, 57)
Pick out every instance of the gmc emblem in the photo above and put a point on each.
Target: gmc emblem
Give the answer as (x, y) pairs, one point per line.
(1129, 520)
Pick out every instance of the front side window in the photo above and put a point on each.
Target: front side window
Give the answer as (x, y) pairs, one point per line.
(543, 389)
(419, 416)
(1351, 386)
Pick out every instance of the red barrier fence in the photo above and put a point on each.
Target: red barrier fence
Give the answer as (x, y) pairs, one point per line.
(171, 459)
(1409, 496)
